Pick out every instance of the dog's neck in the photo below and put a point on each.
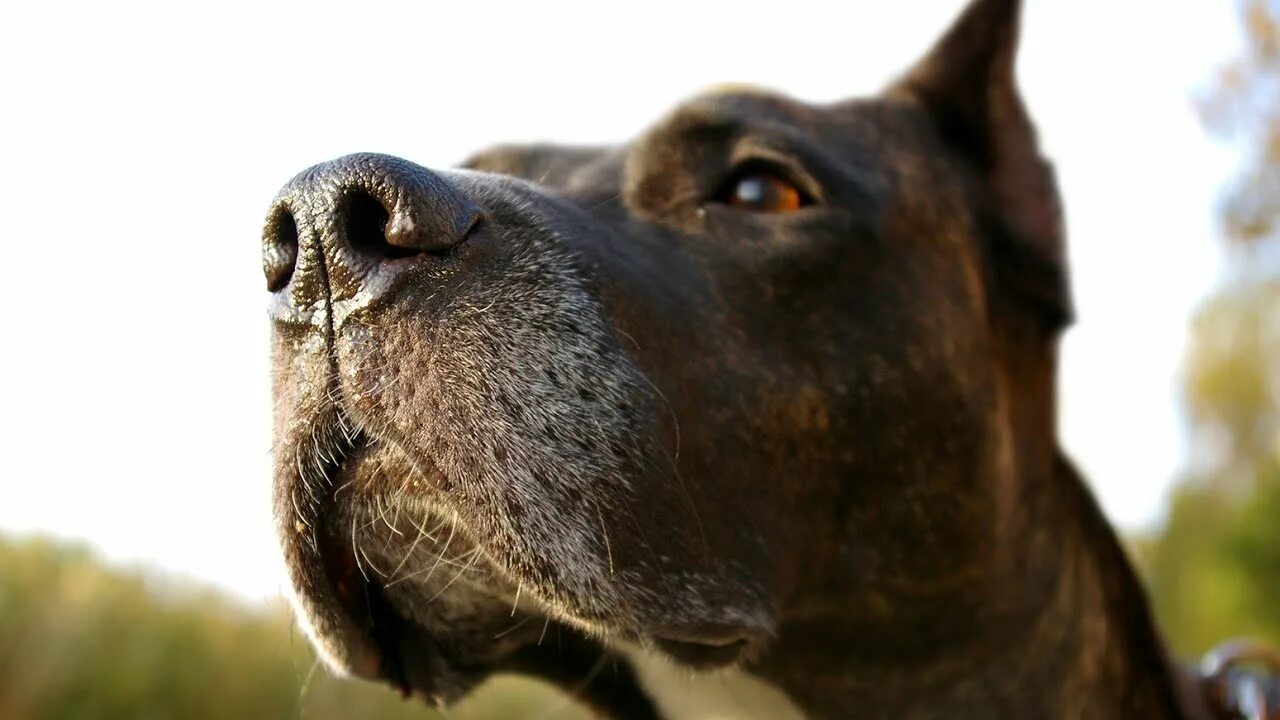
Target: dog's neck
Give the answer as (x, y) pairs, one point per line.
(1056, 624)
(1061, 630)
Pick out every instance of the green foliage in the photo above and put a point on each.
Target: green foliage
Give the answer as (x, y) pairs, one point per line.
(81, 640)
(1214, 571)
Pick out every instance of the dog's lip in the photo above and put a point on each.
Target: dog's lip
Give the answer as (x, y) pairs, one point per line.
(377, 641)
(346, 612)
(393, 648)
(703, 646)
(416, 664)
(702, 655)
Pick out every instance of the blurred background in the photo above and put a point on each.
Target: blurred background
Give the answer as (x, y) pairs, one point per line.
(143, 142)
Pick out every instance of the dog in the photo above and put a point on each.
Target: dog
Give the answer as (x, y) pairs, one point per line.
(752, 416)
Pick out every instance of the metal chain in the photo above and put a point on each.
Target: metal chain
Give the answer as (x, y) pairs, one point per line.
(1242, 680)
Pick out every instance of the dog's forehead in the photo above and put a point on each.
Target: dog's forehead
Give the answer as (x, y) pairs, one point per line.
(738, 106)
(862, 147)
(831, 128)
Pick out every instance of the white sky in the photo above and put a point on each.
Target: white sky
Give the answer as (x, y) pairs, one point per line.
(142, 142)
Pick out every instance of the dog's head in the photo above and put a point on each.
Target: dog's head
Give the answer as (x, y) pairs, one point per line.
(768, 361)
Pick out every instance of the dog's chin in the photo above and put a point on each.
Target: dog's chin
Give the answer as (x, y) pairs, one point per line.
(440, 663)
(407, 593)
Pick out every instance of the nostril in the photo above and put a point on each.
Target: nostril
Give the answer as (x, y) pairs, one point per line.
(363, 222)
(280, 248)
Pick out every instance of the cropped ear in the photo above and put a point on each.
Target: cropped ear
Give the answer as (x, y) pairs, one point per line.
(967, 85)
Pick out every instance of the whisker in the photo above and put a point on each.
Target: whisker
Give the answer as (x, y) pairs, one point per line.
(439, 559)
(412, 546)
(306, 686)
(355, 549)
(474, 553)
(546, 623)
(604, 532)
(515, 603)
(513, 628)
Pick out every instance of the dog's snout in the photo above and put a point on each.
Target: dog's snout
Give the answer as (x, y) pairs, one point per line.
(345, 220)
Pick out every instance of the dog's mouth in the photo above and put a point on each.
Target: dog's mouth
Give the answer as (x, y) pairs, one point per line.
(404, 591)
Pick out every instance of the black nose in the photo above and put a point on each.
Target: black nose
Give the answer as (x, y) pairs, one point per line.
(335, 226)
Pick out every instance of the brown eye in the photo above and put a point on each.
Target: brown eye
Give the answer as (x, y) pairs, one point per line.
(762, 191)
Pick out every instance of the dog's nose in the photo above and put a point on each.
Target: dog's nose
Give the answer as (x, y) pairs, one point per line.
(337, 225)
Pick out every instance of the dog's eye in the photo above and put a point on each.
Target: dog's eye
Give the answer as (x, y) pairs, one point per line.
(763, 191)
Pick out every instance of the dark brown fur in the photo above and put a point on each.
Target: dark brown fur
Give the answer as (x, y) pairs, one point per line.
(597, 406)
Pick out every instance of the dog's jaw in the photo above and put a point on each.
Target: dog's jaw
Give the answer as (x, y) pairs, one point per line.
(406, 593)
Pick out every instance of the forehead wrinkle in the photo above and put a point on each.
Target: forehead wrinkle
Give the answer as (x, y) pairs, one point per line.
(705, 124)
(737, 115)
(729, 111)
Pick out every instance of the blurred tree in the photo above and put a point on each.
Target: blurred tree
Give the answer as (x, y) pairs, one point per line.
(81, 640)
(1215, 569)
(1244, 105)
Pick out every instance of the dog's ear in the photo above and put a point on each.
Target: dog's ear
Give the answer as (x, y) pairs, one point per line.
(542, 163)
(968, 86)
